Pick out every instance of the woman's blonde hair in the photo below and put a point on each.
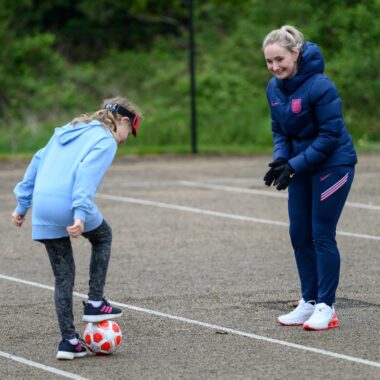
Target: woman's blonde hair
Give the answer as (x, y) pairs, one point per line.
(107, 117)
(287, 36)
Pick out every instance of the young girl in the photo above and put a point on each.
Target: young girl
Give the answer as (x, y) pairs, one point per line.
(314, 156)
(61, 181)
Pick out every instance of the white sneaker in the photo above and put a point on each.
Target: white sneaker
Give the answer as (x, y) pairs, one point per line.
(299, 315)
(323, 318)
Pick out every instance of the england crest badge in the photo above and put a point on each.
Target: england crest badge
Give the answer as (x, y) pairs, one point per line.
(296, 105)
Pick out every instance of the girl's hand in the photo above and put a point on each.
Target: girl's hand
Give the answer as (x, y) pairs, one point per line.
(76, 229)
(17, 219)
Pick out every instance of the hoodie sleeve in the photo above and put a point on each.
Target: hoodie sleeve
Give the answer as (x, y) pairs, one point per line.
(326, 104)
(24, 189)
(89, 175)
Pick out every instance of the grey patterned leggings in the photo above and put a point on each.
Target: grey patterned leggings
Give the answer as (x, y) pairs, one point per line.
(62, 262)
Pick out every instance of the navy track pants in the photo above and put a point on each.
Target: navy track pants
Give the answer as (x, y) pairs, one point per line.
(315, 204)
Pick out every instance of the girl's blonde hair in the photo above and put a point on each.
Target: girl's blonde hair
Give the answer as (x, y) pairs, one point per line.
(107, 117)
(287, 36)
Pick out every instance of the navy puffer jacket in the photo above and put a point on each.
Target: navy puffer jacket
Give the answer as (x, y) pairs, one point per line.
(307, 124)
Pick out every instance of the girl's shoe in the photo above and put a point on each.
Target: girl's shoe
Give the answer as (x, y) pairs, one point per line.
(299, 315)
(103, 312)
(69, 351)
(323, 318)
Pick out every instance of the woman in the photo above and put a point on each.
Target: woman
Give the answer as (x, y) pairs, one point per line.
(62, 180)
(314, 156)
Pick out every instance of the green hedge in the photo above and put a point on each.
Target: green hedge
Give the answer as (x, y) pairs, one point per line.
(49, 74)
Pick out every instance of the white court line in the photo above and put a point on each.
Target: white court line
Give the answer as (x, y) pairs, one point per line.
(265, 193)
(30, 363)
(228, 188)
(214, 327)
(218, 214)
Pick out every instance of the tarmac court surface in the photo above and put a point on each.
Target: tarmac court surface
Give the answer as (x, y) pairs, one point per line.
(201, 266)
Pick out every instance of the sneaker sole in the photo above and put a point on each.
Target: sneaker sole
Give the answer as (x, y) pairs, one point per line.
(333, 324)
(100, 318)
(63, 355)
(289, 324)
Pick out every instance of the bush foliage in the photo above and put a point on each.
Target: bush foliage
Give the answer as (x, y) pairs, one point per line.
(60, 58)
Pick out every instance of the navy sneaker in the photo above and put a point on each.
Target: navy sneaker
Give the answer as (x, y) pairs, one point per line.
(69, 351)
(103, 312)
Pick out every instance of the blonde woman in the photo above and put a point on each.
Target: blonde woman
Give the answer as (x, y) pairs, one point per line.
(61, 181)
(314, 156)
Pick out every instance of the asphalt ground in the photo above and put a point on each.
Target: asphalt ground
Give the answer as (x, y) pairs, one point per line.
(202, 266)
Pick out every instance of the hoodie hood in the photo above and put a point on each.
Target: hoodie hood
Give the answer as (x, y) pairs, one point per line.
(70, 132)
(311, 62)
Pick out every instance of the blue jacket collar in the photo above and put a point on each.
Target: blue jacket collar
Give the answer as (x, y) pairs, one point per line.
(311, 62)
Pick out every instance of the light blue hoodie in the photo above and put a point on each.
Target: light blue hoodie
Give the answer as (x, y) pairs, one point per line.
(63, 177)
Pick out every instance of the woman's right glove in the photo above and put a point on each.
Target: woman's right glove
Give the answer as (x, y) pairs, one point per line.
(285, 174)
(272, 174)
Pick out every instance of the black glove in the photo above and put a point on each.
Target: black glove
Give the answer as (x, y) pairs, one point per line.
(271, 175)
(284, 175)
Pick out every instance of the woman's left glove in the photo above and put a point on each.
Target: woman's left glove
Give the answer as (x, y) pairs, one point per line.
(285, 174)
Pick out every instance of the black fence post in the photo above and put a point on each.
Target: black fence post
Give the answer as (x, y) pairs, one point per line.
(194, 147)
